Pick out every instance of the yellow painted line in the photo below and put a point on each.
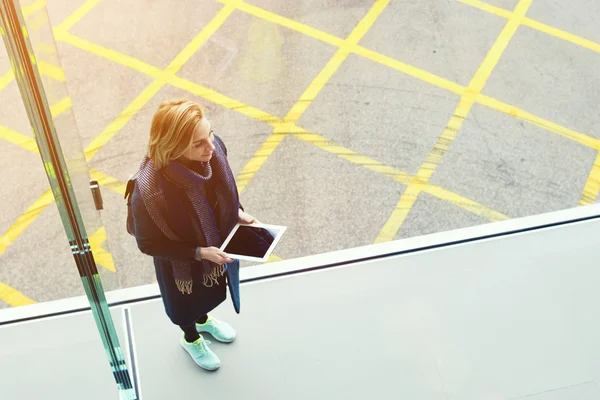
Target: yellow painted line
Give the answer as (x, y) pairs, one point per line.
(29, 144)
(464, 203)
(13, 297)
(143, 98)
(60, 107)
(257, 160)
(353, 157)
(399, 176)
(355, 48)
(108, 181)
(25, 220)
(222, 100)
(289, 23)
(410, 70)
(101, 256)
(6, 79)
(281, 130)
(18, 139)
(592, 186)
(77, 15)
(569, 37)
(45, 68)
(115, 126)
(39, 21)
(336, 61)
(267, 148)
(409, 197)
(201, 38)
(52, 71)
(170, 78)
(500, 12)
(109, 54)
(431, 78)
(273, 258)
(538, 121)
(31, 8)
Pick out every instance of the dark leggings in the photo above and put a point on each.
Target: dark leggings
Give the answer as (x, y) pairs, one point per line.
(191, 334)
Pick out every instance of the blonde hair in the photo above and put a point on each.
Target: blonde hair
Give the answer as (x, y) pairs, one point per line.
(172, 130)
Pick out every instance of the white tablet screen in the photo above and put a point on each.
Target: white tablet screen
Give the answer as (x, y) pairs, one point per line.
(252, 241)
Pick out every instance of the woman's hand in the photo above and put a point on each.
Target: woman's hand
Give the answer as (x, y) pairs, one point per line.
(212, 254)
(245, 218)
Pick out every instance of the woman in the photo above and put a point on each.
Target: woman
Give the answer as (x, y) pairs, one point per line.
(185, 203)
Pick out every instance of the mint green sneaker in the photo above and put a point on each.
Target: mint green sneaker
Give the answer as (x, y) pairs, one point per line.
(220, 330)
(201, 353)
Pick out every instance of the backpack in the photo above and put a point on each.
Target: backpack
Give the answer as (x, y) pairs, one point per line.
(128, 193)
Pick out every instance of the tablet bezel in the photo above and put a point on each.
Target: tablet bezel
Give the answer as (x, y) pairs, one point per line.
(281, 229)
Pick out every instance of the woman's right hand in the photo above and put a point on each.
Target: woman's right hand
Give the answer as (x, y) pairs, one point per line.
(214, 254)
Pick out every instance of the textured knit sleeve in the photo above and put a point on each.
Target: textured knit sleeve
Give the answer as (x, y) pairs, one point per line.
(151, 240)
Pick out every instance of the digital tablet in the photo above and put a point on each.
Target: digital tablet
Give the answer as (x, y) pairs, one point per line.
(252, 242)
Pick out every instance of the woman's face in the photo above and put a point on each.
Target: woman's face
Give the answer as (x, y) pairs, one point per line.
(202, 144)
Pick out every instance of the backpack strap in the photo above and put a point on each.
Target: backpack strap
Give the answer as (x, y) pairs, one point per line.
(128, 192)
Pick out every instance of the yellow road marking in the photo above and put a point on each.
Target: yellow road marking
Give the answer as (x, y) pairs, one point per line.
(281, 128)
(201, 38)
(399, 176)
(52, 71)
(143, 98)
(170, 78)
(410, 70)
(19, 139)
(335, 62)
(116, 125)
(592, 186)
(252, 112)
(31, 8)
(409, 197)
(500, 12)
(280, 132)
(569, 37)
(578, 137)
(355, 48)
(13, 297)
(60, 107)
(25, 220)
(101, 256)
(108, 181)
(431, 78)
(46, 68)
(464, 203)
(74, 18)
(109, 54)
(289, 23)
(273, 258)
(6, 79)
(222, 100)
(29, 144)
(353, 157)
